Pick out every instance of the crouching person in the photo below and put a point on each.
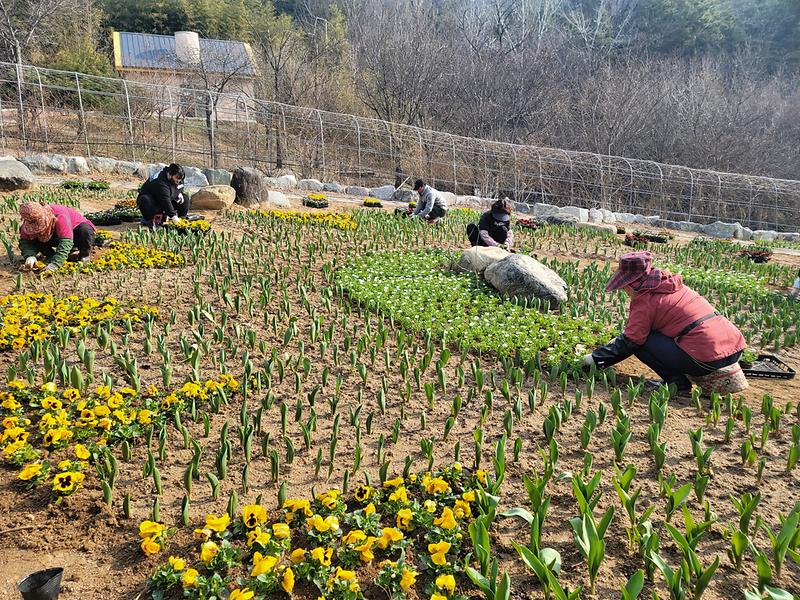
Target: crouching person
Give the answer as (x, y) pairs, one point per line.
(53, 232)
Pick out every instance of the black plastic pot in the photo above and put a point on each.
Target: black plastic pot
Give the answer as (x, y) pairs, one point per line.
(42, 585)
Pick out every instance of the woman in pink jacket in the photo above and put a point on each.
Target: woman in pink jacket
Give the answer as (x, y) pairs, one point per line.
(53, 231)
(673, 330)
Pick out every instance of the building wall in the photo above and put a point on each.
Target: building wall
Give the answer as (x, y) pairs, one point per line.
(191, 104)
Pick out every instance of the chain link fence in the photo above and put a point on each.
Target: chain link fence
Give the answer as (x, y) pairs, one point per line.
(48, 111)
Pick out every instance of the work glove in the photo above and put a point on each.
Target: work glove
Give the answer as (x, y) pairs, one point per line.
(30, 262)
(588, 361)
(50, 269)
(174, 218)
(180, 199)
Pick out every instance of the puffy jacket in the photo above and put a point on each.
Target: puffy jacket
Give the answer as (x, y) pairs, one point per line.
(163, 192)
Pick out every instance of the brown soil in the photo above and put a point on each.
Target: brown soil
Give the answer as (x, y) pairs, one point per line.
(99, 548)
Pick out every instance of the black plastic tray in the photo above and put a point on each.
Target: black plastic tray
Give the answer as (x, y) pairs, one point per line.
(769, 367)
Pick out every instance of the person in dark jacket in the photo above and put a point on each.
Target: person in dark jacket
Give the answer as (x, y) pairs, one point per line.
(494, 227)
(161, 197)
(673, 330)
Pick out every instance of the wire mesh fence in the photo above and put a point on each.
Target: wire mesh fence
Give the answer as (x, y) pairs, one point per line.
(48, 111)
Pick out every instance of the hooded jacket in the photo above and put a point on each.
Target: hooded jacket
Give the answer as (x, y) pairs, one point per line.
(670, 308)
(163, 192)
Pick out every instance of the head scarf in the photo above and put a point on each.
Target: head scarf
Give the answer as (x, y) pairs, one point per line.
(38, 221)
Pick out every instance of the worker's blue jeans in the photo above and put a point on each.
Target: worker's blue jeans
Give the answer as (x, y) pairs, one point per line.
(662, 354)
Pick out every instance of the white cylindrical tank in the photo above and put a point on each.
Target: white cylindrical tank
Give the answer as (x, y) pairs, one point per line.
(187, 47)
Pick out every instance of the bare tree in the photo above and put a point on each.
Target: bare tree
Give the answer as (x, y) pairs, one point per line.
(23, 22)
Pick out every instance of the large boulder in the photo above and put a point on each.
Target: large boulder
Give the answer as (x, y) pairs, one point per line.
(765, 236)
(719, 229)
(102, 164)
(540, 209)
(250, 185)
(624, 217)
(522, 207)
(384, 192)
(218, 176)
(790, 237)
(608, 216)
(356, 190)
(470, 202)
(602, 227)
(582, 214)
(402, 195)
(45, 163)
(213, 197)
(595, 216)
(194, 177)
(478, 258)
(558, 220)
(332, 187)
(651, 220)
(126, 167)
(525, 277)
(310, 185)
(449, 197)
(146, 171)
(286, 181)
(14, 175)
(275, 199)
(77, 165)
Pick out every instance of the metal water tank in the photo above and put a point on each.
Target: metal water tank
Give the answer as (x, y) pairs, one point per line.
(187, 47)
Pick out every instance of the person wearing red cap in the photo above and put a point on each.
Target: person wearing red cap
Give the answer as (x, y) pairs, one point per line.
(673, 330)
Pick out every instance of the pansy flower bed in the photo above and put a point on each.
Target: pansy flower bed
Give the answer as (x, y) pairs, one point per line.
(187, 226)
(405, 535)
(28, 318)
(316, 201)
(53, 435)
(373, 203)
(343, 221)
(122, 255)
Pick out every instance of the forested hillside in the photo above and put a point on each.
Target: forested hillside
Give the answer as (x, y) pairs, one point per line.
(707, 83)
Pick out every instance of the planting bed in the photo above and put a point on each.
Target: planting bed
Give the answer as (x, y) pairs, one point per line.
(310, 402)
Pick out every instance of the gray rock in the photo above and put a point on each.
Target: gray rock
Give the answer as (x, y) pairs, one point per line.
(194, 177)
(746, 234)
(478, 258)
(332, 187)
(102, 164)
(450, 198)
(45, 163)
(608, 216)
(647, 220)
(690, 226)
(213, 197)
(279, 199)
(310, 185)
(595, 216)
(470, 202)
(250, 185)
(384, 192)
(14, 175)
(540, 209)
(146, 171)
(724, 230)
(790, 237)
(77, 165)
(402, 195)
(525, 277)
(625, 217)
(582, 214)
(667, 224)
(126, 167)
(765, 236)
(218, 176)
(286, 181)
(558, 220)
(521, 207)
(356, 190)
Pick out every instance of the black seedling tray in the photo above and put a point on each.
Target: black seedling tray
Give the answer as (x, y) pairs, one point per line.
(769, 367)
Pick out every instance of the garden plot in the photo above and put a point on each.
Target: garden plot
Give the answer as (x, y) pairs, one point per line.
(275, 373)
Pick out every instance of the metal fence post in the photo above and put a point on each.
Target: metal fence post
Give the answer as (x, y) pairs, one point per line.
(322, 140)
(173, 124)
(130, 118)
(691, 194)
(247, 126)
(516, 175)
(358, 146)
(44, 112)
(2, 126)
(212, 141)
(455, 171)
(21, 108)
(83, 117)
